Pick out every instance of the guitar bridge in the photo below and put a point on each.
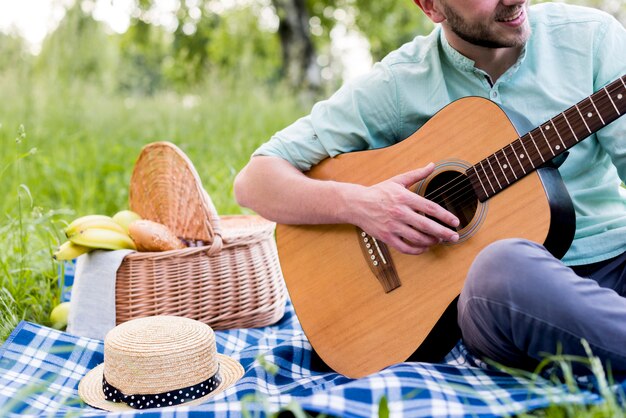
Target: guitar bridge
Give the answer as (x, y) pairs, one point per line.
(378, 258)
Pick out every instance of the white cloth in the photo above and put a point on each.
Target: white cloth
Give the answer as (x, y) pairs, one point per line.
(92, 304)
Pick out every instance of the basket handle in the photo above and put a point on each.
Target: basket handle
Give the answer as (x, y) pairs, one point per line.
(216, 246)
(166, 188)
(215, 224)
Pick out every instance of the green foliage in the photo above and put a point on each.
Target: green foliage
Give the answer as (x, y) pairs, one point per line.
(76, 152)
(27, 273)
(78, 49)
(75, 117)
(143, 48)
(383, 408)
(387, 25)
(241, 46)
(556, 371)
(12, 51)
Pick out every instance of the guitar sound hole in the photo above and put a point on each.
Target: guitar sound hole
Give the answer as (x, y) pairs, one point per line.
(453, 191)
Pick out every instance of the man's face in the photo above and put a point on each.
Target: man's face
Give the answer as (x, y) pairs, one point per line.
(488, 23)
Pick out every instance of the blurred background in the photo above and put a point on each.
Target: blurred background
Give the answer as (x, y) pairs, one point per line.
(84, 84)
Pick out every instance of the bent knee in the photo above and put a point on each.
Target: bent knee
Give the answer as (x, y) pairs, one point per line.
(502, 266)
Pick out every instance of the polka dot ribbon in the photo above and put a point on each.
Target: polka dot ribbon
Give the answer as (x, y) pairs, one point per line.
(158, 400)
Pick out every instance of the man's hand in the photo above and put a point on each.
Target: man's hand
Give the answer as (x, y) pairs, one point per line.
(392, 213)
(388, 211)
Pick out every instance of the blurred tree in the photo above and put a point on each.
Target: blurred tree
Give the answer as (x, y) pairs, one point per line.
(202, 40)
(265, 39)
(389, 24)
(12, 51)
(299, 58)
(231, 41)
(143, 47)
(241, 47)
(189, 58)
(78, 49)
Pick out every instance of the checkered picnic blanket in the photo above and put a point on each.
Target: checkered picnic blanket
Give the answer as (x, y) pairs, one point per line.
(40, 369)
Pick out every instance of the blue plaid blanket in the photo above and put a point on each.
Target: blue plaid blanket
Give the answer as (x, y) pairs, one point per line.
(40, 369)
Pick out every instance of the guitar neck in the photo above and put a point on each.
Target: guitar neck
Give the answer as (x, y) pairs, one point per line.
(509, 164)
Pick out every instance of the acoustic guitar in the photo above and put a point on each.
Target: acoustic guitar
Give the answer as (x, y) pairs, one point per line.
(365, 306)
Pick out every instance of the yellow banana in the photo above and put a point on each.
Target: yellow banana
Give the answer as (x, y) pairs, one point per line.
(92, 221)
(69, 251)
(125, 218)
(74, 224)
(106, 239)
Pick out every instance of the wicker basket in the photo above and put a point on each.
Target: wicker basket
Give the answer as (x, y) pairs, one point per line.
(231, 280)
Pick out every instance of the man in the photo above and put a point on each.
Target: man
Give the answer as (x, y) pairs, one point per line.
(518, 302)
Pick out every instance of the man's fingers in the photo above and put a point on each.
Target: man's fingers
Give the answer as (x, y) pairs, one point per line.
(411, 177)
(432, 209)
(410, 208)
(417, 238)
(406, 247)
(432, 228)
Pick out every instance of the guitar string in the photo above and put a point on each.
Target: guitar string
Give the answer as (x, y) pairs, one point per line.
(563, 120)
(532, 154)
(467, 192)
(443, 189)
(576, 127)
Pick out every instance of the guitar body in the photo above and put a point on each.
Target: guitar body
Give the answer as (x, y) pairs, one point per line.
(354, 323)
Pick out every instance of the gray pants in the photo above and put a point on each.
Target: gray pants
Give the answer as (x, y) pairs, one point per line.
(520, 303)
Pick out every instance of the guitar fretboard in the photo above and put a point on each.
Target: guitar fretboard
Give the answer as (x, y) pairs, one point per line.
(509, 164)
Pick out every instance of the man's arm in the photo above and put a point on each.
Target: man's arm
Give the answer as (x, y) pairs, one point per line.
(387, 211)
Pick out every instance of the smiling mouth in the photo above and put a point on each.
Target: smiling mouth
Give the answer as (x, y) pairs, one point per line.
(512, 17)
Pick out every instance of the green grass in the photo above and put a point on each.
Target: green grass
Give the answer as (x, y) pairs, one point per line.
(557, 371)
(69, 151)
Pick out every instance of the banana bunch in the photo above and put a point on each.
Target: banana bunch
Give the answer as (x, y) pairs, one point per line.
(97, 232)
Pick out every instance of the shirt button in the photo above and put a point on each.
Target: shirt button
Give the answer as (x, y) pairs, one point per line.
(494, 94)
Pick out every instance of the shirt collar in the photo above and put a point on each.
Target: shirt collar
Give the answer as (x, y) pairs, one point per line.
(456, 58)
(463, 63)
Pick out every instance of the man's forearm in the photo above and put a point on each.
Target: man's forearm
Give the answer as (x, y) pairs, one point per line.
(388, 211)
(276, 190)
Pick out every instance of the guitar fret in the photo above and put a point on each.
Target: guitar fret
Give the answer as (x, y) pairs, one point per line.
(619, 95)
(494, 173)
(502, 169)
(480, 181)
(583, 118)
(557, 147)
(588, 110)
(547, 142)
(518, 157)
(486, 175)
(612, 102)
(570, 127)
(530, 135)
(597, 111)
(509, 163)
(527, 154)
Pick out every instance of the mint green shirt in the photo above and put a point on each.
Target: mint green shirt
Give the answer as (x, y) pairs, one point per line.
(572, 52)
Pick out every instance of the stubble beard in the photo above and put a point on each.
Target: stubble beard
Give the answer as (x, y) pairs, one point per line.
(480, 34)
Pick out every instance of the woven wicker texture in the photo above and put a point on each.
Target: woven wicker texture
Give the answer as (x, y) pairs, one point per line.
(157, 355)
(166, 188)
(235, 282)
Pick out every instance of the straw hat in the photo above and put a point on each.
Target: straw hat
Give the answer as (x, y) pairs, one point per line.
(158, 361)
